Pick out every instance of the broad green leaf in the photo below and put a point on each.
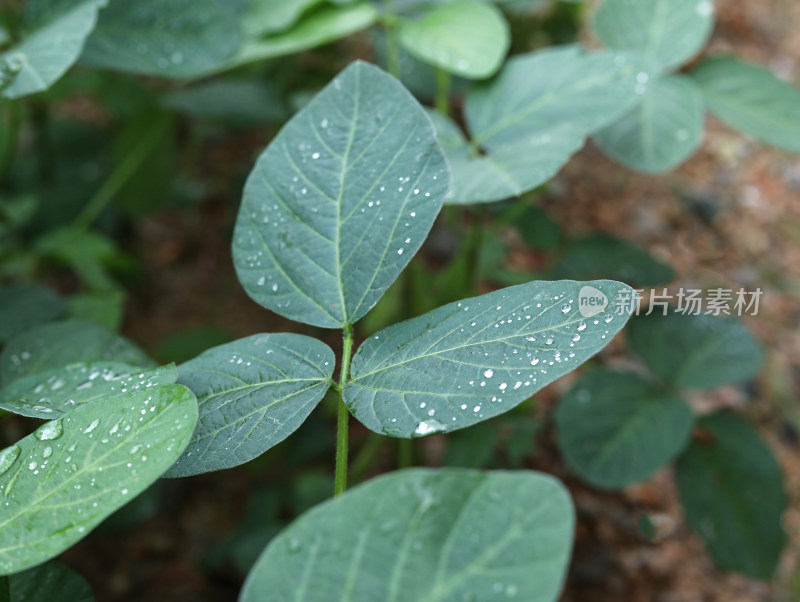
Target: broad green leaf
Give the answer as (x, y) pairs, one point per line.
(51, 581)
(660, 133)
(425, 535)
(61, 343)
(53, 35)
(526, 123)
(340, 201)
(539, 90)
(180, 38)
(616, 429)
(695, 351)
(468, 361)
(104, 308)
(667, 33)
(263, 17)
(59, 482)
(469, 38)
(752, 100)
(604, 256)
(27, 305)
(507, 170)
(252, 394)
(52, 393)
(320, 27)
(733, 494)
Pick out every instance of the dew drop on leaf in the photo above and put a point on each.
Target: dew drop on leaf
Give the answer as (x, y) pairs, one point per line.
(49, 431)
(7, 458)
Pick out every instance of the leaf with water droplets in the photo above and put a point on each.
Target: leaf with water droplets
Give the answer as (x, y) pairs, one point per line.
(752, 100)
(27, 305)
(533, 116)
(733, 494)
(427, 536)
(469, 38)
(62, 343)
(252, 394)
(666, 33)
(695, 351)
(340, 201)
(54, 32)
(468, 361)
(661, 132)
(50, 581)
(63, 484)
(616, 429)
(52, 393)
(180, 38)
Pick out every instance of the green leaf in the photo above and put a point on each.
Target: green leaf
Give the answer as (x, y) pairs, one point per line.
(27, 305)
(616, 429)
(263, 17)
(604, 256)
(527, 122)
(53, 35)
(695, 351)
(59, 482)
(468, 361)
(733, 494)
(752, 100)
(667, 33)
(660, 133)
(320, 27)
(507, 170)
(340, 201)
(252, 394)
(51, 581)
(61, 343)
(469, 38)
(425, 535)
(52, 393)
(180, 38)
(104, 308)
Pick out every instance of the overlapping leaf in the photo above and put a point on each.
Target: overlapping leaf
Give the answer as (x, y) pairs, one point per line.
(527, 122)
(667, 33)
(616, 429)
(660, 133)
(61, 481)
(52, 393)
(180, 38)
(695, 351)
(425, 535)
(469, 361)
(751, 99)
(26, 305)
(50, 581)
(252, 394)
(733, 494)
(340, 201)
(54, 32)
(61, 343)
(469, 38)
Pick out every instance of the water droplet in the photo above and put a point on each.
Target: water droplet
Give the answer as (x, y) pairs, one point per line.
(565, 309)
(7, 458)
(92, 425)
(489, 373)
(49, 431)
(576, 338)
(47, 452)
(581, 326)
(294, 545)
(426, 427)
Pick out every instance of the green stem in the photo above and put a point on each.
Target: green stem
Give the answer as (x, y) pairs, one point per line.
(405, 453)
(119, 177)
(442, 91)
(392, 45)
(340, 484)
